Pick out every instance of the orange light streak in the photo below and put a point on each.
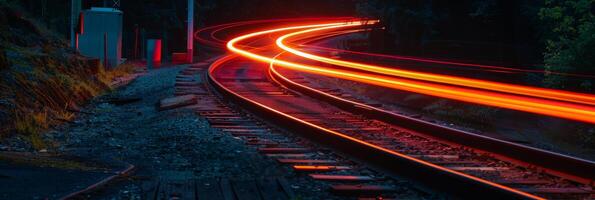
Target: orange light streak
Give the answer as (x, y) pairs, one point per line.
(467, 82)
(498, 69)
(527, 104)
(223, 60)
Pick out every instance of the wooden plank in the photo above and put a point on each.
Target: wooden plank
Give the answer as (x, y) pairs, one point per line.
(288, 155)
(236, 126)
(479, 168)
(226, 189)
(208, 189)
(176, 102)
(436, 156)
(177, 190)
(223, 117)
(361, 189)
(150, 189)
(231, 122)
(262, 143)
(305, 161)
(246, 190)
(454, 162)
(523, 182)
(243, 130)
(319, 167)
(286, 187)
(558, 190)
(255, 134)
(270, 189)
(334, 177)
(218, 113)
(283, 150)
(186, 84)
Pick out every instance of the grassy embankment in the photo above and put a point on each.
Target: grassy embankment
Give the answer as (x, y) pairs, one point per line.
(42, 81)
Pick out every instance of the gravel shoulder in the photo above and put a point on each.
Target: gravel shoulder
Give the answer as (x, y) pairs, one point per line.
(125, 126)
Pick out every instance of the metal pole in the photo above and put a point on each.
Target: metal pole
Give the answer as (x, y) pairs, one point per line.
(75, 9)
(135, 41)
(105, 59)
(189, 38)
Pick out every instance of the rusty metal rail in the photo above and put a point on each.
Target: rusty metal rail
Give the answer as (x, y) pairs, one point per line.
(569, 167)
(446, 180)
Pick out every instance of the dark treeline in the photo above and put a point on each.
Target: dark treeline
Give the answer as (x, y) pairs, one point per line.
(555, 34)
(503, 31)
(166, 19)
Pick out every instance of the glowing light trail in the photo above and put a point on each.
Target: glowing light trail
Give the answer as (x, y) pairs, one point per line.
(459, 64)
(467, 82)
(223, 60)
(539, 106)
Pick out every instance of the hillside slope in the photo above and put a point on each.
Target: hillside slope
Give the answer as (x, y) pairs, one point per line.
(42, 80)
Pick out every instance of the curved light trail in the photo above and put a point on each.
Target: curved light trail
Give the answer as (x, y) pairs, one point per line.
(244, 46)
(471, 66)
(467, 82)
(509, 101)
(223, 60)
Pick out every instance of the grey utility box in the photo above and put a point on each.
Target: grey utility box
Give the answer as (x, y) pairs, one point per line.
(99, 24)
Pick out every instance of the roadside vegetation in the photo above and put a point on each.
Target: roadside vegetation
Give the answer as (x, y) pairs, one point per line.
(550, 35)
(570, 40)
(43, 81)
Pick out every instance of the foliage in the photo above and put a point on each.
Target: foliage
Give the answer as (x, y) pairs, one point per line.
(494, 31)
(44, 80)
(570, 39)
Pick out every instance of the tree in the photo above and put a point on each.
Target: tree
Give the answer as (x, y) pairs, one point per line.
(570, 40)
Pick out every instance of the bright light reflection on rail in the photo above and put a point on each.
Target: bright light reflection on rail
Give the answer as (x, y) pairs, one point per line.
(467, 82)
(522, 103)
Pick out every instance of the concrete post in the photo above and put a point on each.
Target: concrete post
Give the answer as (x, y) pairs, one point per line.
(190, 38)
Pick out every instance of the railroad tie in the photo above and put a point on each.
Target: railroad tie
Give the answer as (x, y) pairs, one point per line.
(306, 168)
(336, 177)
(361, 189)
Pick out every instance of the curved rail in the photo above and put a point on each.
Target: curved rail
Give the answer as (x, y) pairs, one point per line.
(573, 168)
(456, 182)
(394, 161)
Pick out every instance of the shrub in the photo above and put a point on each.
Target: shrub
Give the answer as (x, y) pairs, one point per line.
(571, 40)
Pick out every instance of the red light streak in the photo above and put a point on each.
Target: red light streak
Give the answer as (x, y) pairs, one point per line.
(480, 66)
(467, 82)
(223, 60)
(527, 104)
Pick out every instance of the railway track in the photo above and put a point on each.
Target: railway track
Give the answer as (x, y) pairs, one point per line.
(287, 100)
(343, 176)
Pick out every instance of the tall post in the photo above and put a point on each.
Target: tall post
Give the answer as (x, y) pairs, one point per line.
(75, 9)
(189, 38)
(135, 41)
(105, 54)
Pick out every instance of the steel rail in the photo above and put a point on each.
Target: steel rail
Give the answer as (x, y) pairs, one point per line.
(573, 168)
(579, 166)
(430, 174)
(528, 104)
(576, 169)
(345, 143)
(453, 80)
